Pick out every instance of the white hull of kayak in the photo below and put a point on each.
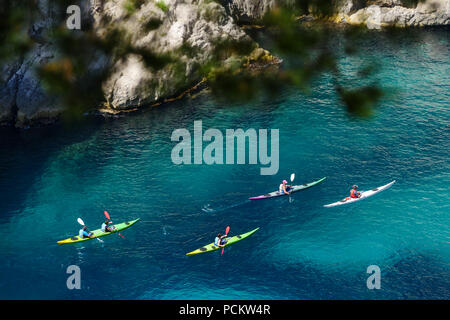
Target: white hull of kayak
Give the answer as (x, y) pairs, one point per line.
(364, 195)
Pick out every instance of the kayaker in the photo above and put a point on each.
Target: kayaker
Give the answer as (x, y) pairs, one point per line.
(354, 193)
(84, 233)
(220, 240)
(106, 228)
(284, 188)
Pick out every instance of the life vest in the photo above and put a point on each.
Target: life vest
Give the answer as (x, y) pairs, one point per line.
(82, 235)
(354, 193)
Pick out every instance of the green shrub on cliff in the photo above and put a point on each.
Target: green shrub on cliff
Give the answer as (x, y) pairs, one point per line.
(164, 7)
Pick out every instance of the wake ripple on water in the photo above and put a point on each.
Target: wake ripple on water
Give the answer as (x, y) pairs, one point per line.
(207, 207)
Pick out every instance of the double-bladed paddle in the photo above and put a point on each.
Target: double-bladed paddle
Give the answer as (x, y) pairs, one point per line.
(292, 180)
(226, 233)
(109, 218)
(80, 221)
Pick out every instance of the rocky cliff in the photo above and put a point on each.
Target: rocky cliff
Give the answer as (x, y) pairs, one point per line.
(248, 11)
(185, 31)
(372, 13)
(384, 13)
(196, 24)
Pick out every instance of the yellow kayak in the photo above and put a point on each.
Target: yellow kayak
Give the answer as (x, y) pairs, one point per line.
(99, 233)
(211, 247)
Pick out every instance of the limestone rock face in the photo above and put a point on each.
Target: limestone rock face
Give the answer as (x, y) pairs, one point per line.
(21, 97)
(198, 24)
(248, 11)
(390, 13)
(373, 13)
(385, 3)
(8, 91)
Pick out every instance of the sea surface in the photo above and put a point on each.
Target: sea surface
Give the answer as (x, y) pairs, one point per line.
(51, 176)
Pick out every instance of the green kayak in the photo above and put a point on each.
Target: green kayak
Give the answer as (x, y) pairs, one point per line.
(230, 240)
(98, 233)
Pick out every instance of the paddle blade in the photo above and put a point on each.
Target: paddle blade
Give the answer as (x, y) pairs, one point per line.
(226, 233)
(107, 215)
(80, 221)
(292, 177)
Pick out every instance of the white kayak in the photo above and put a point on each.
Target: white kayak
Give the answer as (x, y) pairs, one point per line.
(364, 194)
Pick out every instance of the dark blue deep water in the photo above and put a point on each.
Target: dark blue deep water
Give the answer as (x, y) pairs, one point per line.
(50, 177)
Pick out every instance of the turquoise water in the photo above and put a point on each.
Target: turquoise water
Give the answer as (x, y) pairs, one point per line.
(50, 177)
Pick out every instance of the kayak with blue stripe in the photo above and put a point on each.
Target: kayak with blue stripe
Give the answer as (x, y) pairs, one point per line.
(292, 190)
